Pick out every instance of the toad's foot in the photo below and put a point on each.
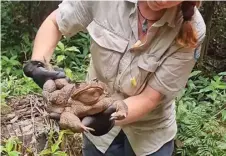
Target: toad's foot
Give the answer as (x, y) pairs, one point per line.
(86, 129)
(69, 121)
(121, 110)
(118, 116)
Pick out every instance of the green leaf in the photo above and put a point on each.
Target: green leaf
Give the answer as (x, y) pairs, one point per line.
(78, 61)
(58, 49)
(80, 56)
(223, 113)
(217, 78)
(2, 148)
(85, 51)
(221, 86)
(8, 70)
(84, 35)
(60, 45)
(60, 58)
(14, 153)
(55, 146)
(222, 145)
(61, 135)
(60, 153)
(207, 89)
(68, 73)
(194, 73)
(62, 132)
(15, 62)
(5, 58)
(45, 152)
(9, 144)
(222, 74)
(13, 58)
(73, 48)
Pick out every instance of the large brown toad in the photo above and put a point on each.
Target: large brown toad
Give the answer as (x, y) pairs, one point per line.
(72, 102)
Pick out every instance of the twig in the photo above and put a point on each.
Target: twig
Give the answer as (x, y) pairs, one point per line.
(33, 123)
(40, 111)
(7, 130)
(21, 131)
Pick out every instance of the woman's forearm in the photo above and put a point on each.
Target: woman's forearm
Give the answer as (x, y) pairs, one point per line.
(46, 39)
(140, 105)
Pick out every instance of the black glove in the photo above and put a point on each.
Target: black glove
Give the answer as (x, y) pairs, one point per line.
(37, 71)
(100, 122)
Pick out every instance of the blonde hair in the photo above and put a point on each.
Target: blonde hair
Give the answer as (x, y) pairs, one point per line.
(187, 36)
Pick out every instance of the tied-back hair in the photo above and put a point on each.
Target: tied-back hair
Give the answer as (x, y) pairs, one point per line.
(187, 36)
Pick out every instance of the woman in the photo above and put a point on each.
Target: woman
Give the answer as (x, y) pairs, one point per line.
(144, 51)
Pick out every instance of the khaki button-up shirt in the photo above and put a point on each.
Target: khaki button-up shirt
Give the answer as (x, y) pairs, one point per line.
(157, 61)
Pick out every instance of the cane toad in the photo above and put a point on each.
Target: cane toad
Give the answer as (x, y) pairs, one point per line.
(71, 102)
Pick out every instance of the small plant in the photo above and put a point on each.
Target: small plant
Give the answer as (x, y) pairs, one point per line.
(10, 65)
(14, 86)
(73, 55)
(54, 148)
(11, 147)
(70, 58)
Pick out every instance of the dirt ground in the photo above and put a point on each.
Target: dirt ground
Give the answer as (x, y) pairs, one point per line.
(27, 119)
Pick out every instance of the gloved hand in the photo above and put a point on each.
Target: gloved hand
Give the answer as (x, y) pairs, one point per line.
(37, 71)
(101, 122)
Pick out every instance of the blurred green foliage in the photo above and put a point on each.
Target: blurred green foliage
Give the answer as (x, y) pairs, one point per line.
(201, 114)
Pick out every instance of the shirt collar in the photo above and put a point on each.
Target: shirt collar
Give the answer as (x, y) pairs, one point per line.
(168, 17)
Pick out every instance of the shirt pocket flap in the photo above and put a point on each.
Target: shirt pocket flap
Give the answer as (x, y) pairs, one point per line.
(106, 38)
(148, 62)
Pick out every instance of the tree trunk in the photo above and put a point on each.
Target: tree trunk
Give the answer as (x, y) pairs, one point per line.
(208, 13)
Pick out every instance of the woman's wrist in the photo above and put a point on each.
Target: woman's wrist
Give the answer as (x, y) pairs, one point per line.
(140, 105)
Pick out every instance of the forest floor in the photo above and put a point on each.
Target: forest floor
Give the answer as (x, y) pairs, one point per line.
(25, 118)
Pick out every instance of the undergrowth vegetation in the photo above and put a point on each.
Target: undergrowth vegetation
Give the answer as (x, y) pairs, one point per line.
(74, 59)
(201, 117)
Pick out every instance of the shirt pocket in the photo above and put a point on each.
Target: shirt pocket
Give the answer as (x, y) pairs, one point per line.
(107, 48)
(140, 70)
(148, 62)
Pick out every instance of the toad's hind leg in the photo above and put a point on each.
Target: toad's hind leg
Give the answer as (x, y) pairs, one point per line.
(69, 121)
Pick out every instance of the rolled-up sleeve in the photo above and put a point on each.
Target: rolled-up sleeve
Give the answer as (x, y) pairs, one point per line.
(73, 16)
(173, 73)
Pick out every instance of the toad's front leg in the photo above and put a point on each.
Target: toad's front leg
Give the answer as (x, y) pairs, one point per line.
(121, 110)
(70, 121)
